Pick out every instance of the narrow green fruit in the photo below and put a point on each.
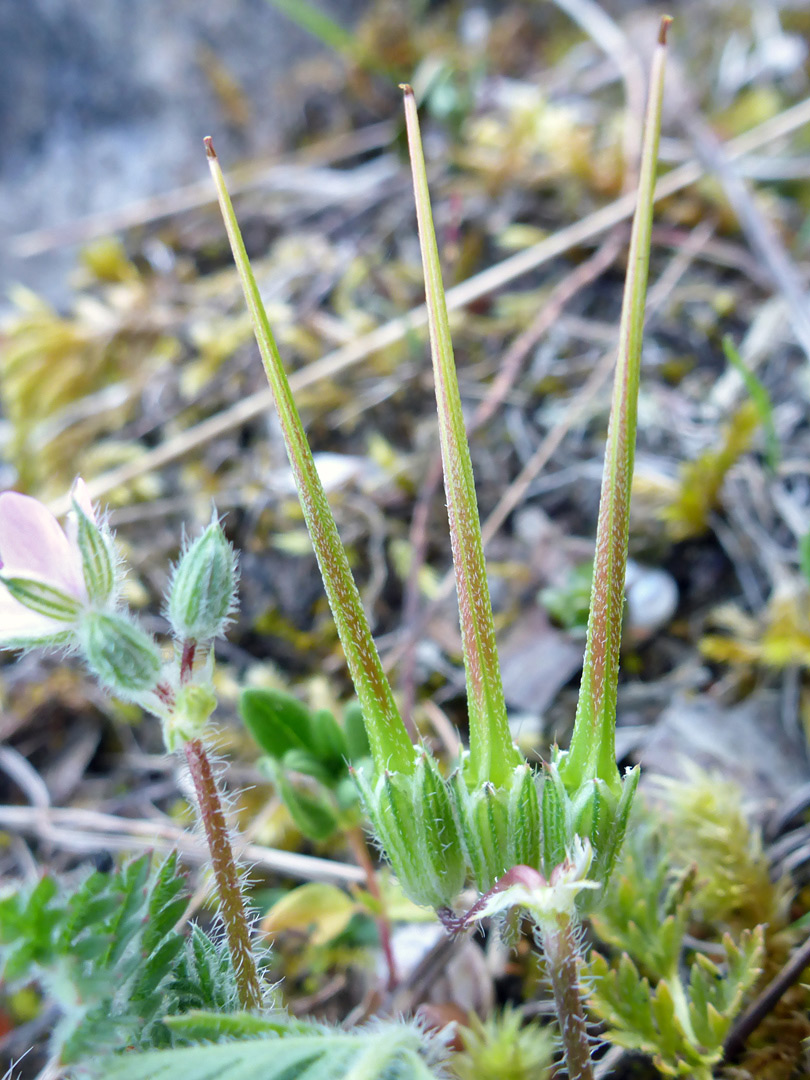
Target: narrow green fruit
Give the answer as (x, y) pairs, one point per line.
(592, 753)
(388, 737)
(493, 755)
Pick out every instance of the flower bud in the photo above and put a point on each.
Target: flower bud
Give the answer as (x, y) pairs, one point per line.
(97, 554)
(413, 818)
(203, 588)
(121, 655)
(500, 826)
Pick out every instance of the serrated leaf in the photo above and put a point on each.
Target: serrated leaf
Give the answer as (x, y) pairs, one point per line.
(205, 979)
(109, 955)
(683, 1031)
(168, 901)
(670, 1033)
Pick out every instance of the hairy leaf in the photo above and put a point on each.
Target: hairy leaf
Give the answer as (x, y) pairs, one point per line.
(109, 955)
(393, 1052)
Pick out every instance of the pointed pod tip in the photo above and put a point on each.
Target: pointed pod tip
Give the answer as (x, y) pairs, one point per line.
(406, 89)
(209, 147)
(664, 29)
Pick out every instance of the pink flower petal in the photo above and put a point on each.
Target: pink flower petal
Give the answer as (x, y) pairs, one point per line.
(80, 493)
(32, 542)
(18, 622)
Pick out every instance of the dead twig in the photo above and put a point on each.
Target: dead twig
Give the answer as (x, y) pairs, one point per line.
(759, 231)
(88, 830)
(607, 35)
(760, 1007)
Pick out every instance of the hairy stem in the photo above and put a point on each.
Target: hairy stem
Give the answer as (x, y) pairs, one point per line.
(231, 900)
(560, 947)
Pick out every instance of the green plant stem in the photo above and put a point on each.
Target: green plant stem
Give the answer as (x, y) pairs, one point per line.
(562, 963)
(388, 737)
(593, 751)
(231, 900)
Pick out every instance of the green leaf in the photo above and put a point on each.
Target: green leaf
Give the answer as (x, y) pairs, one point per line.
(632, 915)
(493, 754)
(592, 752)
(355, 730)
(568, 602)
(201, 1026)
(681, 1025)
(390, 1052)
(109, 956)
(328, 741)
(277, 721)
(204, 979)
(761, 399)
(331, 33)
(311, 813)
(302, 761)
(390, 744)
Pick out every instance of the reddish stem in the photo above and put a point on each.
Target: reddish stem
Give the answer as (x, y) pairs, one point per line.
(361, 853)
(560, 948)
(231, 901)
(187, 660)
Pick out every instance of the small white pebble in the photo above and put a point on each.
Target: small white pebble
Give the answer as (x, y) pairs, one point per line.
(652, 599)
